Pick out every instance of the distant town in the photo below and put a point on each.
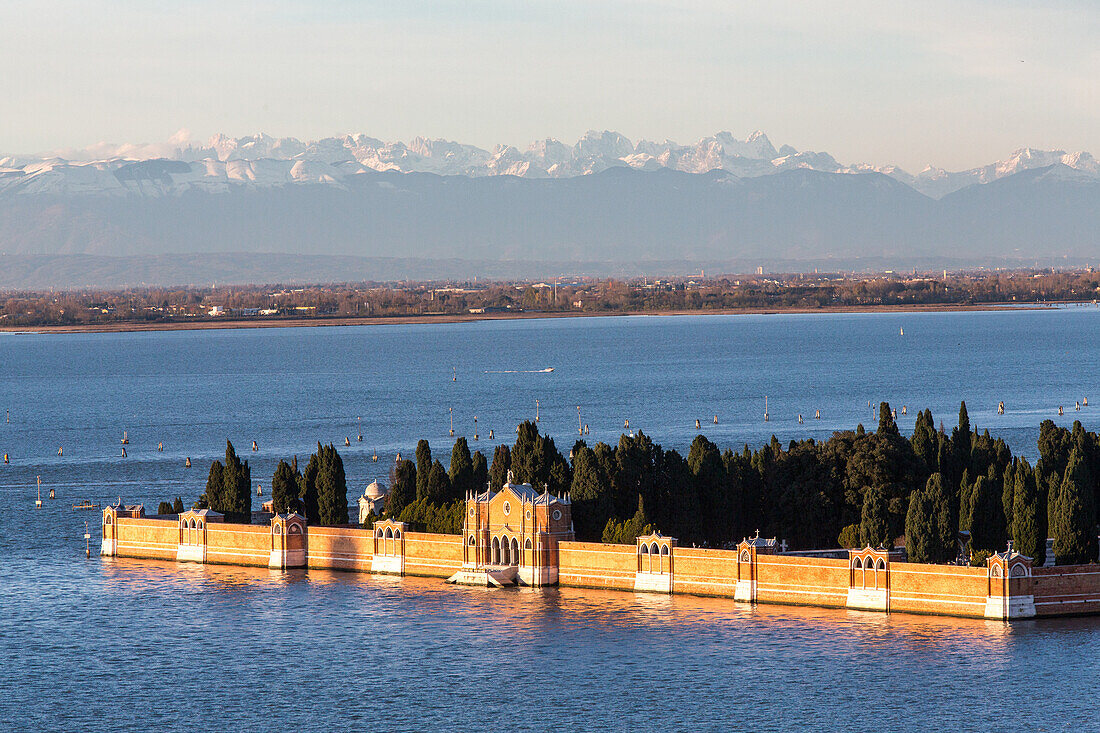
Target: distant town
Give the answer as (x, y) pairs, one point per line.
(451, 300)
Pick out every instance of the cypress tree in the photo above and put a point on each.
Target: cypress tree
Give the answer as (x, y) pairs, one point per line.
(438, 487)
(961, 439)
(929, 525)
(403, 488)
(284, 487)
(423, 468)
(461, 471)
(525, 458)
(924, 440)
(709, 474)
(1073, 520)
(332, 487)
(966, 501)
(591, 496)
(177, 506)
(215, 487)
(498, 472)
(886, 424)
(480, 471)
(1029, 526)
(987, 521)
(1008, 494)
(307, 486)
(918, 527)
(873, 528)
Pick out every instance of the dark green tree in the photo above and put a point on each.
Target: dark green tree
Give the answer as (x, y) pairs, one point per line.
(284, 487)
(164, 508)
(626, 533)
(177, 506)
(987, 520)
(1073, 520)
(461, 471)
(423, 468)
(214, 496)
(924, 440)
(480, 472)
(502, 462)
(237, 479)
(873, 528)
(1029, 525)
(886, 424)
(438, 489)
(307, 487)
(591, 495)
(332, 487)
(709, 474)
(402, 488)
(929, 526)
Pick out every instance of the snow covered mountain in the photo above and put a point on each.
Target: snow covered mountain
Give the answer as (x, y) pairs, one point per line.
(224, 163)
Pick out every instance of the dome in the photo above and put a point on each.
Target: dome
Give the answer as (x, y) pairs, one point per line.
(375, 490)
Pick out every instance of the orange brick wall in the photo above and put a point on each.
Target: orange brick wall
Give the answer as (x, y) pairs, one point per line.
(597, 565)
(1065, 590)
(938, 589)
(433, 555)
(238, 544)
(150, 538)
(340, 548)
(704, 572)
(811, 581)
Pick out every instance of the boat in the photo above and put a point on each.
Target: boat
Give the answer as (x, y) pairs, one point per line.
(85, 504)
(901, 332)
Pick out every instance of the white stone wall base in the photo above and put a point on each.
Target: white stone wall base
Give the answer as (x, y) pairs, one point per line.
(191, 553)
(391, 564)
(867, 599)
(537, 576)
(745, 591)
(283, 559)
(1016, 607)
(108, 548)
(653, 582)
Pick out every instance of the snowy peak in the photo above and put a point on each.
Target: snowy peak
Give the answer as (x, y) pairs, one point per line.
(262, 160)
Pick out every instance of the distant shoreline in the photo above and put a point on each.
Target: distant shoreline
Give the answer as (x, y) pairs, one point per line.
(275, 322)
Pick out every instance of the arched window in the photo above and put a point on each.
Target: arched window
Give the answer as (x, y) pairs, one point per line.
(515, 551)
(472, 541)
(1019, 570)
(496, 551)
(644, 549)
(995, 571)
(389, 533)
(107, 519)
(664, 549)
(744, 556)
(278, 529)
(378, 532)
(397, 534)
(294, 529)
(527, 544)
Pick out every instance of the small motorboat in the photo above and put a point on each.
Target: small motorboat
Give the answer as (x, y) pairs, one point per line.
(85, 504)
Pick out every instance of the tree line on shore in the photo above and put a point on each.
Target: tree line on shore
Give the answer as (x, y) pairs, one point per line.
(854, 489)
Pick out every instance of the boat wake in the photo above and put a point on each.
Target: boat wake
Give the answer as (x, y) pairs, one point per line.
(519, 371)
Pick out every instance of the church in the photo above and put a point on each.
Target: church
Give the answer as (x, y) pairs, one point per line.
(511, 536)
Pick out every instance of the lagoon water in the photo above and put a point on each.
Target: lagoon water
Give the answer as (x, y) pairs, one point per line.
(91, 644)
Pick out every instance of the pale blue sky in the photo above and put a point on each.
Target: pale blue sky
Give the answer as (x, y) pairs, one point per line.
(955, 83)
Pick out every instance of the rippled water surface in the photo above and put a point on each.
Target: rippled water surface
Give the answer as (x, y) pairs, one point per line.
(91, 644)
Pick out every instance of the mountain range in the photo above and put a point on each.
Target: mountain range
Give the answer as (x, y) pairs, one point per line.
(257, 208)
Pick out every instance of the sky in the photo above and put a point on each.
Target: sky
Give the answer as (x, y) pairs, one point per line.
(952, 83)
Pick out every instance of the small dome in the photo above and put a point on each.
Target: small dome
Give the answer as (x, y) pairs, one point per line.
(375, 490)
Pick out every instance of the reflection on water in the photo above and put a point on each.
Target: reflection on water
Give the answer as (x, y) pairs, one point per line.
(328, 650)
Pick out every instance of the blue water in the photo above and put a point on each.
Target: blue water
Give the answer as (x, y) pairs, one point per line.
(91, 644)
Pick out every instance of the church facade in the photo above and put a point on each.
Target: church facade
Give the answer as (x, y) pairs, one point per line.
(511, 536)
